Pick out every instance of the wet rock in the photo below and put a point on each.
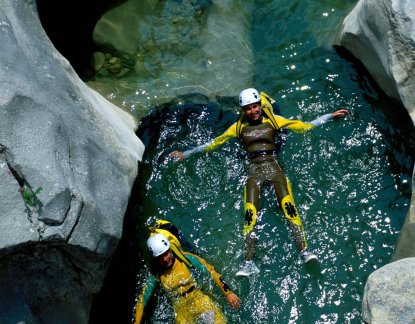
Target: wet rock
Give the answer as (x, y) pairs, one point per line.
(61, 136)
(389, 295)
(97, 61)
(381, 34)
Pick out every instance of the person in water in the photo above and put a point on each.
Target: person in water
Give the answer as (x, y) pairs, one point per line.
(175, 273)
(257, 128)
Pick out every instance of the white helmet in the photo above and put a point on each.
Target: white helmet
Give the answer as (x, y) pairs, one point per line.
(158, 244)
(248, 96)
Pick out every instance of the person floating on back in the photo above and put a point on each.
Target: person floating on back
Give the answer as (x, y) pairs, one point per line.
(174, 271)
(257, 128)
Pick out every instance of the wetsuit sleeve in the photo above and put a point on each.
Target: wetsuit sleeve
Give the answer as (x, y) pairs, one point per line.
(196, 149)
(321, 120)
(143, 298)
(218, 141)
(300, 126)
(202, 265)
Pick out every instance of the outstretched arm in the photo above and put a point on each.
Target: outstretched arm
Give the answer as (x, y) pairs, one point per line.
(218, 141)
(182, 155)
(325, 118)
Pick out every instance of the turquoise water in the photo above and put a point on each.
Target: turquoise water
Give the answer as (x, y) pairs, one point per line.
(351, 178)
(347, 190)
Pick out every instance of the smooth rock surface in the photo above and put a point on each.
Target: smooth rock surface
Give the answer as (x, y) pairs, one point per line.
(389, 295)
(68, 161)
(381, 34)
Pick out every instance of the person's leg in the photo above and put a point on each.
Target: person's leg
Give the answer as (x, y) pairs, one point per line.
(286, 202)
(285, 199)
(251, 205)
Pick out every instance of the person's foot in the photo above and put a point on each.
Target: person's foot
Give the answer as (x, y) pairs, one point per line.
(307, 255)
(247, 268)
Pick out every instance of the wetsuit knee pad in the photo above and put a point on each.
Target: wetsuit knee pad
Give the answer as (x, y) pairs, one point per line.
(250, 218)
(294, 220)
(290, 211)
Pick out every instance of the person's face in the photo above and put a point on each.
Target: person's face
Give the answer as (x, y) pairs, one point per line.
(166, 259)
(253, 111)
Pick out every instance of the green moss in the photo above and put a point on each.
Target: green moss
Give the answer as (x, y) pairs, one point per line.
(30, 196)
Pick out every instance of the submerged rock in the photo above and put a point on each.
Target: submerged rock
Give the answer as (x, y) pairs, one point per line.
(197, 47)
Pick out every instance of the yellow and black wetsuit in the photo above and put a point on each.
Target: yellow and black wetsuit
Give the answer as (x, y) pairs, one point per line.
(259, 140)
(190, 304)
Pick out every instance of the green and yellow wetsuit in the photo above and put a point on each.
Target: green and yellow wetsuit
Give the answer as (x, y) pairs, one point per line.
(259, 140)
(190, 304)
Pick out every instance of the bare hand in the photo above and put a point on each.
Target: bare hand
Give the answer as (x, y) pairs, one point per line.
(340, 113)
(177, 154)
(233, 300)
